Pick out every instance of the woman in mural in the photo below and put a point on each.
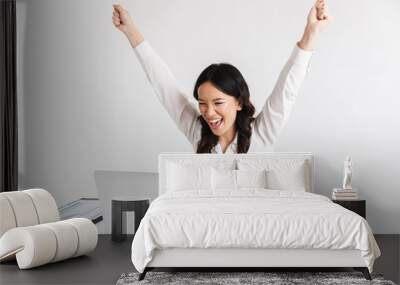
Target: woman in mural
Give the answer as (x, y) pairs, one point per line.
(225, 123)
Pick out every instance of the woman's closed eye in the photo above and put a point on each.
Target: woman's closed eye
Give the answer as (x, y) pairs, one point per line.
(216, 103)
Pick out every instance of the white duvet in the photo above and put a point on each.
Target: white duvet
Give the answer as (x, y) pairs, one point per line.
(250, 218)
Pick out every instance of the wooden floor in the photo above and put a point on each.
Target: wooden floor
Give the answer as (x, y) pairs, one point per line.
(111, 259)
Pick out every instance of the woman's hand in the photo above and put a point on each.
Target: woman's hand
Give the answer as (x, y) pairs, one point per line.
(121, 19)
(317, 19)
(123, 22)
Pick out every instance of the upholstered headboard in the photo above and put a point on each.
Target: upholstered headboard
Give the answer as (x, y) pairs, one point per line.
(232, 160)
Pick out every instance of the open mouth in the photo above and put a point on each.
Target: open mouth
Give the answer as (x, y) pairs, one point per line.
(215, 124)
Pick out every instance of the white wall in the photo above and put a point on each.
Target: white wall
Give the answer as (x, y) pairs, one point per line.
(85, 103)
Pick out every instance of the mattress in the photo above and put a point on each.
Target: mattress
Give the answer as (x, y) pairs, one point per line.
(250, 218)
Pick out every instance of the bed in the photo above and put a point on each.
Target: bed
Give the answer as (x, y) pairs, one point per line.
(255, 210)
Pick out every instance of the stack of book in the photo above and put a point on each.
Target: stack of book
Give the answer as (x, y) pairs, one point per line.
(344, 194)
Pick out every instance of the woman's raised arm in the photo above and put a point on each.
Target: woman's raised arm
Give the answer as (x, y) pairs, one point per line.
(271, 120)
(178, 106)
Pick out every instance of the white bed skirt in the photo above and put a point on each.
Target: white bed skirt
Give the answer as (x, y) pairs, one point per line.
(235, 257)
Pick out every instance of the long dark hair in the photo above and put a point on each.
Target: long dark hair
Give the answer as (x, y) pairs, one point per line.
(228, 79)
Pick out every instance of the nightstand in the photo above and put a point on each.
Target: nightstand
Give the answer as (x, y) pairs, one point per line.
(122, 204)
(357, 206)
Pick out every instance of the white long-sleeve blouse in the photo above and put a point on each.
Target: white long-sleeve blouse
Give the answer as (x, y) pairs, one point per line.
(268, 123)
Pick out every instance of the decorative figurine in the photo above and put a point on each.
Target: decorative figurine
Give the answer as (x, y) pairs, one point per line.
(347, 173)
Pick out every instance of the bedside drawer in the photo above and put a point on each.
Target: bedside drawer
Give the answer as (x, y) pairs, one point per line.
(357, 206)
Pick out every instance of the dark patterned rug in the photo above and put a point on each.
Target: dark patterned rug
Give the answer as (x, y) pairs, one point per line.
(229, 278)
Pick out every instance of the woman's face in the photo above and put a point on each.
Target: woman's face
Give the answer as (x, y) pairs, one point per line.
(217, 108)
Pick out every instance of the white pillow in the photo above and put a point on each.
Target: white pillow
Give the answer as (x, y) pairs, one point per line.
(237, 179)
(251, 178)
(223, 179)
(282, 174)
(188, 177)
(293, 179)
